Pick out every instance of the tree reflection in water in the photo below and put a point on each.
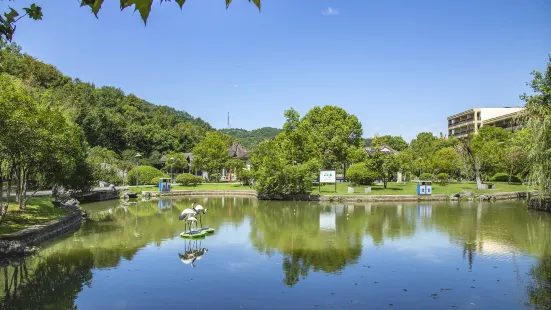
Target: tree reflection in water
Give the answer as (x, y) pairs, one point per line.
(49, 282)
(539, 289)
(309, 237)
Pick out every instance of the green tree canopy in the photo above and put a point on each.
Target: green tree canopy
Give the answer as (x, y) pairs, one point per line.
(538, 120)
(489, 148)
(334, 131)
(395, 142)
(211, 154)
(446, 160)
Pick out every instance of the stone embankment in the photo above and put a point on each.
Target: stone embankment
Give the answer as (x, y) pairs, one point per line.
(150, 194)
(340, 198)
(24, 241)
(539, 203)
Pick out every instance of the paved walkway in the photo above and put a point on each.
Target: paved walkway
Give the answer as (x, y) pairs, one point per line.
(49, 192)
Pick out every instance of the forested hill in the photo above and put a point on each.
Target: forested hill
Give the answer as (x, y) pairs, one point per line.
(109, 118)
(252, 138)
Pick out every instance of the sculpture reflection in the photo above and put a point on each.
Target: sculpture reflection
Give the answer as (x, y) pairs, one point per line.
(193, 253)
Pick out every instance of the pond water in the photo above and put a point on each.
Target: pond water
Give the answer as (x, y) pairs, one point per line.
(292, 255)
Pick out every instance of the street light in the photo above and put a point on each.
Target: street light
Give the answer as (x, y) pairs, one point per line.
(171, 164)
(138, 155)
(420, 166)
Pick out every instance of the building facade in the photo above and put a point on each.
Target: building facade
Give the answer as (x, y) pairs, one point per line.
(462, 124)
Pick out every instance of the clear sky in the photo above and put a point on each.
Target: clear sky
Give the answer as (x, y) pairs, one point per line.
(401, 66)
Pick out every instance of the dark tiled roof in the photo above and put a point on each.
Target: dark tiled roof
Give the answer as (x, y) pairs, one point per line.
(385, 149)
(238, 151)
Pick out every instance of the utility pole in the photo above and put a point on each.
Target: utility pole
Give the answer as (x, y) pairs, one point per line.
(228, 120)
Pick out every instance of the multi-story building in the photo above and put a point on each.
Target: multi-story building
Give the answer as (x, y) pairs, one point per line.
(461, 124)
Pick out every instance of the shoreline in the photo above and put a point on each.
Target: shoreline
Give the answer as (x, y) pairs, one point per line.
(22, 242)
(336, 197)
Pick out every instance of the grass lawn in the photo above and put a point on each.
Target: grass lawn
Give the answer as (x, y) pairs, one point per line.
(410, 188)
(38, 211)
(202, 187)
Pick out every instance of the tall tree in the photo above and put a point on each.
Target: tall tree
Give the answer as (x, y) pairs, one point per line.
(334, 131)
(211, 154)
(287, 164)
(37, 141)
(446, 160)
(489, 148)
(516, 154)
(538, 119)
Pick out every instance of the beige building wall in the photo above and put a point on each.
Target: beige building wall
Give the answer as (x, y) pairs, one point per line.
(462, 124)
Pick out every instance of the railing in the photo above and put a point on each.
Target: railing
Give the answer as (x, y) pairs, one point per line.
(461, 122)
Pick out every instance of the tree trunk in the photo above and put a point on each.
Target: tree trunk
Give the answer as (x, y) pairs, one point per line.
(23, 189)
(4, 206)
(477, 173)
(344, 172)
(476, 168)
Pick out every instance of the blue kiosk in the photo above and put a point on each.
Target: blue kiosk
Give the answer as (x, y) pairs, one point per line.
(164, 185)
(424, 188)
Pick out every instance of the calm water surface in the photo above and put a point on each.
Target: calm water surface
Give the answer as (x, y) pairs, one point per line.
(292, 255)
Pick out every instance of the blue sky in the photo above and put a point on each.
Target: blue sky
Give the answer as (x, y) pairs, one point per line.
(401, 66)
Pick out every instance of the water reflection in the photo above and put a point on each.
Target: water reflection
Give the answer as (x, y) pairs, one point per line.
(539, 289)
(193, 253)
(46, 282)
(304, 238)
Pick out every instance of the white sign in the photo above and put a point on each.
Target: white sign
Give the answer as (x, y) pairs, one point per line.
(328, 176)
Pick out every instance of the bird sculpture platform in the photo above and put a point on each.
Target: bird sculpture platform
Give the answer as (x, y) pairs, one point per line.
(197, 233)
(193, 234)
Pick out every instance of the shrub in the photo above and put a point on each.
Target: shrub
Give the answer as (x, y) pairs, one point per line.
(504, 177)
(245, 177)
(214, 177)
(426, 176)
(359, 174)
(443, 178)
(278, 178)
(145, 173)
(155, 181)
(187, 179)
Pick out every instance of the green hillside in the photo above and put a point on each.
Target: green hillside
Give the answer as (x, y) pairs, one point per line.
(123, 123)
(252, 138)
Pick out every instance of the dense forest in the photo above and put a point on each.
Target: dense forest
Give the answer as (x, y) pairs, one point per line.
(252, 138)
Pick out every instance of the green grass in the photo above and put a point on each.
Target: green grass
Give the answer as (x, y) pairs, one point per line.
(39, 210)
(202, 187)
(410, 188)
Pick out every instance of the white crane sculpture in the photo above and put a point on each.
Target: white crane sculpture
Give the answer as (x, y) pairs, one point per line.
(198, 210)
(188, 215)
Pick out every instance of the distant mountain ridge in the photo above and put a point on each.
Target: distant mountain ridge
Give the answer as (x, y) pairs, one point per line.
(251, 138)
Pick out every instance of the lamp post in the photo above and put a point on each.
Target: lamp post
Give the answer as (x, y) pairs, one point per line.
(171, 164)
(138, 155)
(420, 167)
